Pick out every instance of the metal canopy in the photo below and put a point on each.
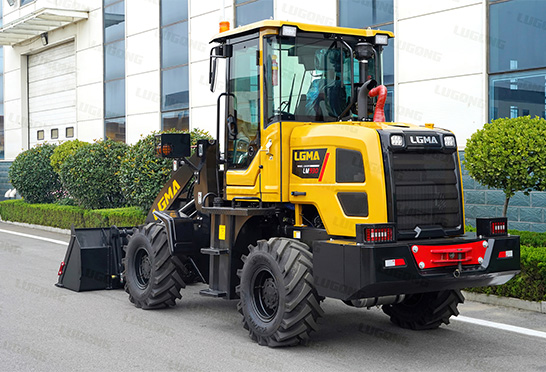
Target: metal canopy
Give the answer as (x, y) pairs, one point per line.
(38, 22)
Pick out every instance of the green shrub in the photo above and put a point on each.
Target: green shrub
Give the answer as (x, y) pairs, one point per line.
(64, 216)
(63, 151)
(532, 239)
(91, 174)
(510, 155)
(143, 173)
(530, 284)
(33, 177)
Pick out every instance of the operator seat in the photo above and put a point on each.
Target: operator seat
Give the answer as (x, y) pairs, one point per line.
(326, 98)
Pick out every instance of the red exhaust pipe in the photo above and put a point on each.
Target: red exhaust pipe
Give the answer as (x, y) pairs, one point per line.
(381, 92)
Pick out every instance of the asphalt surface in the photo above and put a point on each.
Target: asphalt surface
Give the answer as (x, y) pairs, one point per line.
(45, 328)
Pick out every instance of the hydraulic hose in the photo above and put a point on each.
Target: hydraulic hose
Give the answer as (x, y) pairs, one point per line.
(381, 92)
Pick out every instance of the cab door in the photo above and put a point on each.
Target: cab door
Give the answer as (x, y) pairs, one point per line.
(243, 120)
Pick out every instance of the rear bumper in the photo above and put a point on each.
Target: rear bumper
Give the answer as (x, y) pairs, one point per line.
(345, 270)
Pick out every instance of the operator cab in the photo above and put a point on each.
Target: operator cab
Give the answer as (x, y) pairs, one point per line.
(289, 72)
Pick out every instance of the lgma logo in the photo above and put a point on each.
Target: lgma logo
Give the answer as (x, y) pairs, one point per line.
(423, 140)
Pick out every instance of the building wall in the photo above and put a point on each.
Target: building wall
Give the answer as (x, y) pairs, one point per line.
(440, 73)
(205, 17)
(435, 80)
(440, 64)
(89, 73)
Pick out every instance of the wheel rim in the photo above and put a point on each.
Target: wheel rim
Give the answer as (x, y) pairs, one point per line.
(143, 268)
(265, 294)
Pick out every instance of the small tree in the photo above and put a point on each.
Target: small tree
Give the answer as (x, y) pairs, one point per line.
(63, 151)
(91, 174)
(509, 154)
(33, 177)
(143, 173)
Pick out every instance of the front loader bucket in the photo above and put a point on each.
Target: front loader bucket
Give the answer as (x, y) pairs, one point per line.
(93, 259)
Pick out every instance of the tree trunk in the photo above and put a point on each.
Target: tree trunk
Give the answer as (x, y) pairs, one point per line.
(505, 208)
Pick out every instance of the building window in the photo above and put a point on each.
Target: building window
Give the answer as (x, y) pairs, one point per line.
(517, 58)
(54, 133)
(40, 135)
(69, 132)
(114, 70)
(377, 14)
(174, 65)
(247, 12)
(24, 2)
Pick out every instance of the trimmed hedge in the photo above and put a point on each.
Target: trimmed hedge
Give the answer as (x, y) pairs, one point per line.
(530, 284)
(63, 216)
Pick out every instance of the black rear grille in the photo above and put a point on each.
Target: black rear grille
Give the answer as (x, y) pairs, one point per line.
(426, 190)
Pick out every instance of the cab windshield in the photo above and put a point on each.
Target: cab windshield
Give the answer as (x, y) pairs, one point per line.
(308, 78)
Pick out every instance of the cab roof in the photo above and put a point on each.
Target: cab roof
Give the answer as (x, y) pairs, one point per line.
(254, 27)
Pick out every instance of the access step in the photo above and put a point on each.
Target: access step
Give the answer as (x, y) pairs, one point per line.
(214, 251)
(212, 293)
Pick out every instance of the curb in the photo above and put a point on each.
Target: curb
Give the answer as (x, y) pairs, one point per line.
(536, 306)
(38, 227)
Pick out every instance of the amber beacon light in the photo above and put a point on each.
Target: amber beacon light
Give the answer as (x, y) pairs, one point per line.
(224, 26)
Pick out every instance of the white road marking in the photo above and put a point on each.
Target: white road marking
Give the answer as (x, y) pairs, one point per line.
(34, 237)
(505, 327)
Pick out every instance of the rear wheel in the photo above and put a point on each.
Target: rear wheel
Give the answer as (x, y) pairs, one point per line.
(425, 310)
(153, 278)
(279, 303)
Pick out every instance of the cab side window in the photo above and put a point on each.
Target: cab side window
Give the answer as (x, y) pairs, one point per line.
(244, 106)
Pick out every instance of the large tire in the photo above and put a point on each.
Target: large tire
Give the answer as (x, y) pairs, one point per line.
(278, 301)
(425, 310)
(153, 278)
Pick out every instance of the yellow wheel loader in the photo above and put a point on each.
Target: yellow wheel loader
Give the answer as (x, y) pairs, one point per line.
(306, 193)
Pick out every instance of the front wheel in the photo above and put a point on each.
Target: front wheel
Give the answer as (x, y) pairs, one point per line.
(422, 311)
(153, 278)
(279, 303)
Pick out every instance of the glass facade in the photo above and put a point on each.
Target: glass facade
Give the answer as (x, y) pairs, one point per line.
(175, 100)
(114, 70)
(247, 12)
(368, 13)
(377, 14)
(517, 58)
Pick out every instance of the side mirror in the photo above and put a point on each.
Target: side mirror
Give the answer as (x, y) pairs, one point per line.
(212, 73)
(221, 51)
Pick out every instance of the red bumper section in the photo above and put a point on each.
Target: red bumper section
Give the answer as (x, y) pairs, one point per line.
(434, 256)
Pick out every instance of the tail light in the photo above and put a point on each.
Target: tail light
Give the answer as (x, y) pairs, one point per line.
(492, 226)
(164, 150)
(372, 233)
(61, 269)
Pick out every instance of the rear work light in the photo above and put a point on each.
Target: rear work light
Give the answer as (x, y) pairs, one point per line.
(492, 226)
(375, 233)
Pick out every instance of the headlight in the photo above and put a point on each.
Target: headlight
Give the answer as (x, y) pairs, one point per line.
(397, 141)
(449, 141)
(381, 39)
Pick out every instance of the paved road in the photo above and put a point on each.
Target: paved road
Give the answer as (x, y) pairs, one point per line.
(44, 328)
